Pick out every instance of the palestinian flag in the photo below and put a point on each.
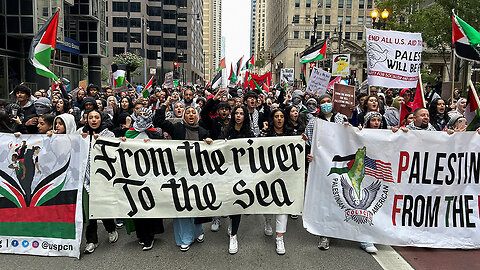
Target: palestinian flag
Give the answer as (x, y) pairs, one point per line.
(472, 112)
(43, 43)
(302, 75)
(341, 164)
(251, 63)
(466, 40)
(419, 100)
(372, 167)
(216, 81)
(222, 65)
(265, 88)
(232, 78)
(238, 66)
(118, 78)
(316, 53)
(132, 133)
(148, 88)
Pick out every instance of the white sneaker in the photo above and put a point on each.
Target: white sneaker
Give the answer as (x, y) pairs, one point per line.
(233, 247)
(90, 248)
(184, 248)
(215, 224)
(280, 246)
(268, 228)
(201, 238)
(324, 243)
(113, 237)
(368, 247)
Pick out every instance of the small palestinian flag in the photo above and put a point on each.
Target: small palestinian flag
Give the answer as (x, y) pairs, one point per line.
(43, 43)
(148, 88)
(466, 40)
(238, 66)
(232, 78)
(216, 81)
(118, 78)
(472, 112)
(251, 63)
(222, 65)
(316, 53)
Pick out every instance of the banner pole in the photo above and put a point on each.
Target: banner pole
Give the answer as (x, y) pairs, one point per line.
(453, 74)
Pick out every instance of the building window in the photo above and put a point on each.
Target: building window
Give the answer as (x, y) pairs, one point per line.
(328, 3)
(327, 34)
(122, 22)
(360, 20)
(361, 4)
(170, 28)
(119, 37)
(347, 35)
(369, 20)
(296, 18)
(123, 6)
(307, 34)
(297, 3)
(118, 50)
(369, 3)
(348, 20)
(340, 20)
(319, 34)
(327, 19)
(319, 19)
(182, 31)
(154, 40)
(340, 3)
(155, 25)
(308, 3)
(360, 36)
(295, 34)
(154, 11)
(349, 3)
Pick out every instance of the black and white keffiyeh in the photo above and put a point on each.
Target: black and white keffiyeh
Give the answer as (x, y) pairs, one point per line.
(143, 122)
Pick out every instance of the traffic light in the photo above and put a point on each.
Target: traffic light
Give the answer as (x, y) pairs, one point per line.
(175, 64)
(312, 64)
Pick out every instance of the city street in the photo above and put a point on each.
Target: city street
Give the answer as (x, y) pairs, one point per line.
(255, 250)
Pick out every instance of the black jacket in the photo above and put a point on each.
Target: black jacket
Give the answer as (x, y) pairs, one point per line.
(214, 125)
(177, 130)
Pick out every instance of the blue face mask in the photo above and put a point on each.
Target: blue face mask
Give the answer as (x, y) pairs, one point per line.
(326, 108)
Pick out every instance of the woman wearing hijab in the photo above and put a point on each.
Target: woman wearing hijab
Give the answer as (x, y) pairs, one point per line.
(93, 128)
(460, 108)
(438, 114)
(146, 228)
(238, 127)
(294, 123)
(392, 114)
(185, 229)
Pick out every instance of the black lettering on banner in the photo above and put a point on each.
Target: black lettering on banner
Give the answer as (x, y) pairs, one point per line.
(283, 188)
(460, 157)
(123, 161)
(161, 160)
(251, 157)
(415, 171)
(104, 157)
(146, 162)
(236, 160)
(438, 168)
(151, 201)
(457, 211)
(251, 196)
(218, 160)
(206, 158)
(474, 168)
(261, 196)
(407, 210)
(425, 180)
(128, 194)
(282, 150)
(294, 155)
(419, 211)
(451, 179)
(210, 196)
(468, 211)
(209, 203)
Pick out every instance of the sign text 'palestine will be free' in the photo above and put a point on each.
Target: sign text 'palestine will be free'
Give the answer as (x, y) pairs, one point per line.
(169, 179)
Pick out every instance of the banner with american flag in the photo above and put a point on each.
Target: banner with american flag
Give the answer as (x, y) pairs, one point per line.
(376, 168)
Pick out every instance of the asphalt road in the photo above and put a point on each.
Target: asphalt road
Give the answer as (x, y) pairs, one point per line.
(255, 251)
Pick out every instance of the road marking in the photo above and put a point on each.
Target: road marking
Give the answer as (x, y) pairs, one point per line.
(389, 259)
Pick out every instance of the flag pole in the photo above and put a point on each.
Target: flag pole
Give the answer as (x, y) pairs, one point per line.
(54, 55)
(470, 83)
(453, 74)
(421, 88)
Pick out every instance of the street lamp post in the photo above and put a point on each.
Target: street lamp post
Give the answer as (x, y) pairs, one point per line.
(380, 23)
(340, 36)
(143, 49)
(294, 70)
(313, 37)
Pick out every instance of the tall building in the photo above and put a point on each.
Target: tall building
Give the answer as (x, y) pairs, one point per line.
(290, 24)
(212, 36)
(252, 26)
(81, 34)
(163, 32)
(259, 34)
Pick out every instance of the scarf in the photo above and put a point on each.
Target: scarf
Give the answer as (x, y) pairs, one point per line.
(143, 122)
(191, 131)
(254, 123)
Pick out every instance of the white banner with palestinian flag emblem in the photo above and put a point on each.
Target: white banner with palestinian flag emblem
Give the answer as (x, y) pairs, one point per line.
(418, 188)
(41, 183)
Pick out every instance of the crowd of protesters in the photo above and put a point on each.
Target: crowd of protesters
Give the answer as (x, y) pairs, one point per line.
(196, 113)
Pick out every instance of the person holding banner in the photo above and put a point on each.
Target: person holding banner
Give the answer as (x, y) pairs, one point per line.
(274, 129)
(238, 127)
(371, 104)
(392, 114)
(94, 128)
(422, 120)
(186, 230)
(438, 114)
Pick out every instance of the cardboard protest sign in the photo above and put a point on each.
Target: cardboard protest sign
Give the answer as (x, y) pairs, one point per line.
(341, 65)
(318, 81)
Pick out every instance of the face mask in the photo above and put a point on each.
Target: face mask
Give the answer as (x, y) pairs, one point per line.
(297, 101)
(326, 108)
(311, 108)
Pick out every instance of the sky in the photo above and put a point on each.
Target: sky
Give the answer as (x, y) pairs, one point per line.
(236, 30)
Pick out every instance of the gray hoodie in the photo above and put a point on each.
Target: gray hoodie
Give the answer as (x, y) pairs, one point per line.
(69, 121)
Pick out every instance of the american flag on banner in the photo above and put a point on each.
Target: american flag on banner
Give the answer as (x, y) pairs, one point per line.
(378, 169)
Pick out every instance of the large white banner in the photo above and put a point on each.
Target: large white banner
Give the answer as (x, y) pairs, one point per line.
(406, 189)
(393, 58)
(41, 182)
(167, 179)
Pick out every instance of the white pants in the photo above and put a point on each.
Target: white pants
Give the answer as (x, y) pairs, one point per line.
(280, 222)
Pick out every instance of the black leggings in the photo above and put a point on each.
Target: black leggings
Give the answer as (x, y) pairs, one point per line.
(91, 231)
(235, 223)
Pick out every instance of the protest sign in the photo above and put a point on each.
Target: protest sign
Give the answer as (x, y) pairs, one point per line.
(168, 83)
(83, 84)
(318, 81)
(341, 65)
(170, 179)
(393, 58)
(343, 99)
(41, 194)
(403, 189)
(287, 74)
